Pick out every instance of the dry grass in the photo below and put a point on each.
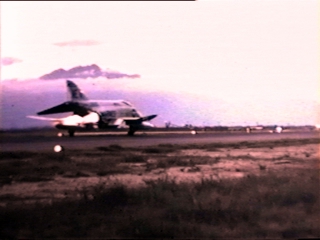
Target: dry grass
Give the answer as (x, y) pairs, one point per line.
(268, 206)
(281, 203)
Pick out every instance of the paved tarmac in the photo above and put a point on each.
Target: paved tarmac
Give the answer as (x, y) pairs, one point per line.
(47, 142)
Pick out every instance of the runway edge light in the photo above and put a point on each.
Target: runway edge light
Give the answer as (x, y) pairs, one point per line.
(58, 148)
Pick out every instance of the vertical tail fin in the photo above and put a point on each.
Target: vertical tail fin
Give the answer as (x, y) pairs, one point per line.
(74, 92)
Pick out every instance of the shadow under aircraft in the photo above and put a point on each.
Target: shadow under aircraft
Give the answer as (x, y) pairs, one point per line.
(89, 115)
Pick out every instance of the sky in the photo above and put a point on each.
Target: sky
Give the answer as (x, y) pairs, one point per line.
(235, 50)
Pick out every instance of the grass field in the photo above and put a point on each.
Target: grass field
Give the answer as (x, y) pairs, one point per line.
(236, 190)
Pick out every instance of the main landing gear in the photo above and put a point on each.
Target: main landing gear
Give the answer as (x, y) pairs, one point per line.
(131, 131)
(71, 133)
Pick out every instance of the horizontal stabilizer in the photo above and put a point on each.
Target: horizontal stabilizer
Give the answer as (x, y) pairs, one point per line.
(66, 107)
(148, 118)
(133, 121)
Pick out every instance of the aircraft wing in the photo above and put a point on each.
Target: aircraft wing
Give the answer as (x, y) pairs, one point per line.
(73, 120)
(66, 107)
(44, 118)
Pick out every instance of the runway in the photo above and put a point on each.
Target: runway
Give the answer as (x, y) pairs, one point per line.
(46, 142)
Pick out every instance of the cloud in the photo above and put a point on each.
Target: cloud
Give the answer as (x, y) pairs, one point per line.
(77, 43)
(6, 61)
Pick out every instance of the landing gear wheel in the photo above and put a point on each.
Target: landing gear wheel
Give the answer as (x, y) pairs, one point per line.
(71, 133)
(131, 132)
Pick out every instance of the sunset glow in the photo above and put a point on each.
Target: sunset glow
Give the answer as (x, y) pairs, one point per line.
(232, 50)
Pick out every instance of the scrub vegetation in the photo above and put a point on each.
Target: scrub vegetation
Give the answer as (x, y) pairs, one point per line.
(279, 202)
(269, 206)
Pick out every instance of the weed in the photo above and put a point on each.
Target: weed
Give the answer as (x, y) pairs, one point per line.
(111, 148)
(262, 167)
(307, 154)
(75, 174)
(169, 145)
(183, 161)
(17, 155)
(163, 149)
(167, 209)
(273, 205)
(132, 158)
(257, 144)
(30, 178)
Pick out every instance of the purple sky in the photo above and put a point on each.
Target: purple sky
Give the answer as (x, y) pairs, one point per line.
(234, 50)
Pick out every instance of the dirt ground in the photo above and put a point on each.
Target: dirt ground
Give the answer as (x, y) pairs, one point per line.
(224, 163)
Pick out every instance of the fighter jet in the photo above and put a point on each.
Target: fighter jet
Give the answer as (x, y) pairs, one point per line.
(95, 114)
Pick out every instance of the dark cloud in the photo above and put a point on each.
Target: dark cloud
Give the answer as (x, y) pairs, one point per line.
(6, 61)
(77, 43)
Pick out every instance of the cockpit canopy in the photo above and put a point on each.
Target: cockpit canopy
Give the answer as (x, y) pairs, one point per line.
(115, 103)
(127, 103)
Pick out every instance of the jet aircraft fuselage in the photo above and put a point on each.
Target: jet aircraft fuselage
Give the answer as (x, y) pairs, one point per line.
(91, 114)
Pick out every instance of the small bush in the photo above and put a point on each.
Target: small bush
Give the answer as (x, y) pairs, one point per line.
(111, 148)
(29, 178)
(17, 155)
(269, 206)
(159, 150)
(134, 158)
